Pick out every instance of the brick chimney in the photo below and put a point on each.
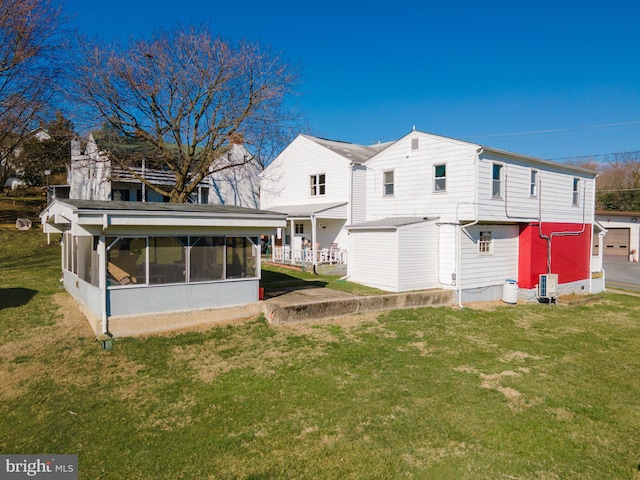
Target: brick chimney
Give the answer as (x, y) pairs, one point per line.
(236, 139)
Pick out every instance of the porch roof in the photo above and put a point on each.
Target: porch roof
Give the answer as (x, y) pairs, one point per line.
(63, 213)
(389, 223)
(306, 211)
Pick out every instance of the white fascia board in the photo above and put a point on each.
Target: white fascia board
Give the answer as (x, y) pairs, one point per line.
(51, 228)
(181, 221)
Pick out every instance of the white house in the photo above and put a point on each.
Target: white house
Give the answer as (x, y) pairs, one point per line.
(428, 211)
(130, 262)
(92, 176)
(321, 185)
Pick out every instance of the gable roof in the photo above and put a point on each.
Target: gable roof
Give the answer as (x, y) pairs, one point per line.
(504, 153)
(351, 151)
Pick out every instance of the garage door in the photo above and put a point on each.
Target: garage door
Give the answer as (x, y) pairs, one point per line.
(616, 242)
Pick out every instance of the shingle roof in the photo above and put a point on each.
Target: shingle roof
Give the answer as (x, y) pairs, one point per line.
(351, 151)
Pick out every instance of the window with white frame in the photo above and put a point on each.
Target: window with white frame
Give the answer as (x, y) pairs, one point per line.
(485, 243)
(576, 191)
(440, 178)
(318, 184)
(388, 183)
(415, 143)
(496, 177)
(299, 227)
(533, 188)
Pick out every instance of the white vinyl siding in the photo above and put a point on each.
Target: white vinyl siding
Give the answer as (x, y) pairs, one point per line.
(414, 177)
(483, 270)
(359, 195)
(553, 202)
(286, 181)
(418, 257)
(447, 267)
(409, 261)
(373, 258)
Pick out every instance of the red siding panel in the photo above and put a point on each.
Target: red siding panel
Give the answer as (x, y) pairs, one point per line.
(570, 254)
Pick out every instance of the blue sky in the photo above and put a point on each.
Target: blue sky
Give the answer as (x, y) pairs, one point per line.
(490, 72)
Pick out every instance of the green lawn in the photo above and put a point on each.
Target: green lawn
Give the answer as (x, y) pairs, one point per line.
(514, 392)
(276, 278)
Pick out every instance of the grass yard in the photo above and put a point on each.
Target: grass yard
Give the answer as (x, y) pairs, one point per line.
(277, 278)
(524, 392)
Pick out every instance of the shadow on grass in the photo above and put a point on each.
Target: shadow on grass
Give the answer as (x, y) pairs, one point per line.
(15, 297)
(277, 283)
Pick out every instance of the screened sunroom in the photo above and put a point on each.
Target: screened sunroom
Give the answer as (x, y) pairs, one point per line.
(127, 259)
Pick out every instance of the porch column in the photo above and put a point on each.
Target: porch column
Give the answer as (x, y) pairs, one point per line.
(273, 248)
(291, 239)
(314, 248)
(102, 282)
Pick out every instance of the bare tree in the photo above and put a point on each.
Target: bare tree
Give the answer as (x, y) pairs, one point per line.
(29, 42)
(185, 94)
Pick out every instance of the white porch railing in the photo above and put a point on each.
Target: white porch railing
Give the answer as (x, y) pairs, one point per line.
(305, 255)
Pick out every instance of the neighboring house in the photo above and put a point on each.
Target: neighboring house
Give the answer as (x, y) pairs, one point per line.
(128, 263)
(428, 211)
(92, 176)
(321, 186)
(622, 240)
(9, 159)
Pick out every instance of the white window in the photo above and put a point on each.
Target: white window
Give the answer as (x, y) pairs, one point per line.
(299, 227)
(485, 243)
(439, 178)
(388, 183)
(414, 144)
(533, 188)
(496, 191)
(576, 191)
(318, 184)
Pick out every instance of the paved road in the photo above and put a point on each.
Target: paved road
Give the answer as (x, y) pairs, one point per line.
(622, 274)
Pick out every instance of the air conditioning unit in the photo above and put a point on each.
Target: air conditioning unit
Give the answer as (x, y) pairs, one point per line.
(548, 286)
